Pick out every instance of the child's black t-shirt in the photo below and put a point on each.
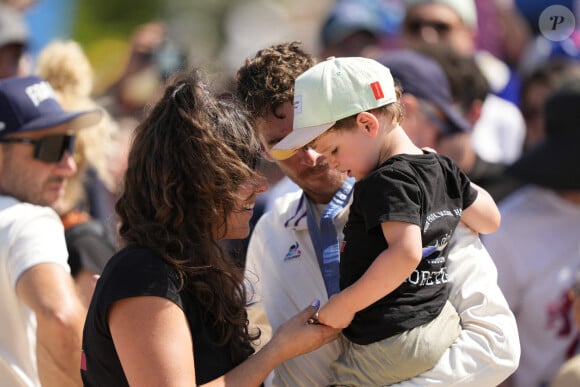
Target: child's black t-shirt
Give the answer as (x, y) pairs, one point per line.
(428, 190)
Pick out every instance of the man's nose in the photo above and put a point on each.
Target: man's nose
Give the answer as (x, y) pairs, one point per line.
(310, 156)
(67, 164)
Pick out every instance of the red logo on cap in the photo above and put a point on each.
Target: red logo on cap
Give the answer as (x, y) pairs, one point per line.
(377, 90)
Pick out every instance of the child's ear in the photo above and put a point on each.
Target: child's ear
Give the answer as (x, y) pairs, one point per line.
(369, 122)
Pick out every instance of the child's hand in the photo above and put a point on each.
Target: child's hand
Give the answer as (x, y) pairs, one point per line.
(334, 314)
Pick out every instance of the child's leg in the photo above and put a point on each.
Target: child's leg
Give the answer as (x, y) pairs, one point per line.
(399, 357)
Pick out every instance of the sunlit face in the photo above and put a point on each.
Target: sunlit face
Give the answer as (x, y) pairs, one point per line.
(437, 23)
(238, 221)
(34, 181)
(306, 168)
(351, 151)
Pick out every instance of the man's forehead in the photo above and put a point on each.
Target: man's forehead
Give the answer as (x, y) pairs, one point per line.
(433, 11)
(274, 127)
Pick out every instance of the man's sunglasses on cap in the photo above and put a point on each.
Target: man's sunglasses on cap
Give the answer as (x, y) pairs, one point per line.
(49, 149)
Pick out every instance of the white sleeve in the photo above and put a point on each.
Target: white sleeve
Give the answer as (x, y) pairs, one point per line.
(488, 349)
(255, 307)
(257, 316)
(38, 237)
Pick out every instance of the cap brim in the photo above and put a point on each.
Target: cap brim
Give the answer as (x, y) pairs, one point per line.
(296, 140)
(459, 123)
(282, 154)
(552, 164)
(76, 120)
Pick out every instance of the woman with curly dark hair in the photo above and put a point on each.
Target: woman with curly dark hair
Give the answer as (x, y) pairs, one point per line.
(169, 308)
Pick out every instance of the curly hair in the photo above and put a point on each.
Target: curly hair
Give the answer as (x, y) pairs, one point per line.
(266, 81)
(188, 157)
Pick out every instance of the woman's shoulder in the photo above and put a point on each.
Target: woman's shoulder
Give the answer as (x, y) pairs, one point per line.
(137, 271)
(133, 259)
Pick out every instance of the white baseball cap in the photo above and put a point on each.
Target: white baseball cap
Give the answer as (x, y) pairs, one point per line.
(330, 91)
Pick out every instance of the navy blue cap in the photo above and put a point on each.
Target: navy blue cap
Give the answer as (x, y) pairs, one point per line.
(28, 104)
(422, 77)
(349, 16)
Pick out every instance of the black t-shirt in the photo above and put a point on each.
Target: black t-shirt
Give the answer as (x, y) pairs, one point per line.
(428, 190)
(136, 272)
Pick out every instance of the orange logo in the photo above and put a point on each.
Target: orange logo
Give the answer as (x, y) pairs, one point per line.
(377, 90)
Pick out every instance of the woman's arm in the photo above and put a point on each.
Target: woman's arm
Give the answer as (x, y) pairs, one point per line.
(155, 348)
(482, 215)
(153, 342)
(293, 338)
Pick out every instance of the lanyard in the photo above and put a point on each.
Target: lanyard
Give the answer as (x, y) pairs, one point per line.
(325, 238)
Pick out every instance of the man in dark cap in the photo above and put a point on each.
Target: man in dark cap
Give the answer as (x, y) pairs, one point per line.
(537, 247)
(434, 120)
(42, 315)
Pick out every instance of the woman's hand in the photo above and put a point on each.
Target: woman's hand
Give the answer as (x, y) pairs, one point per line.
(334, 314)
(296, 336)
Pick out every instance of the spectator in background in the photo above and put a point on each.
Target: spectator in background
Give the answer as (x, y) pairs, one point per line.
(536, 248)
(356, 28)
(454, 23)
(492, 118)
(13, 41)
(42, 315)
(151, 60)
(569, 374)
(513, 36)
(537, 84)
(90, 245)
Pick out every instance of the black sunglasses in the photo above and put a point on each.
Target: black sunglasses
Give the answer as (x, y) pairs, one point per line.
(49, 149)
(413, 26)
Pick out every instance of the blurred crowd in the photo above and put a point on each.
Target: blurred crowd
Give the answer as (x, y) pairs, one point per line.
(511, 135)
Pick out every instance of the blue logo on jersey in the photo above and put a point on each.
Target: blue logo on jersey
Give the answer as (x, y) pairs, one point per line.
(293, 252)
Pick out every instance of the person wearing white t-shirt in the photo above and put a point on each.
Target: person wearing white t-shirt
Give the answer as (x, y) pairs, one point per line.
(42, 314)
(537, 247)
